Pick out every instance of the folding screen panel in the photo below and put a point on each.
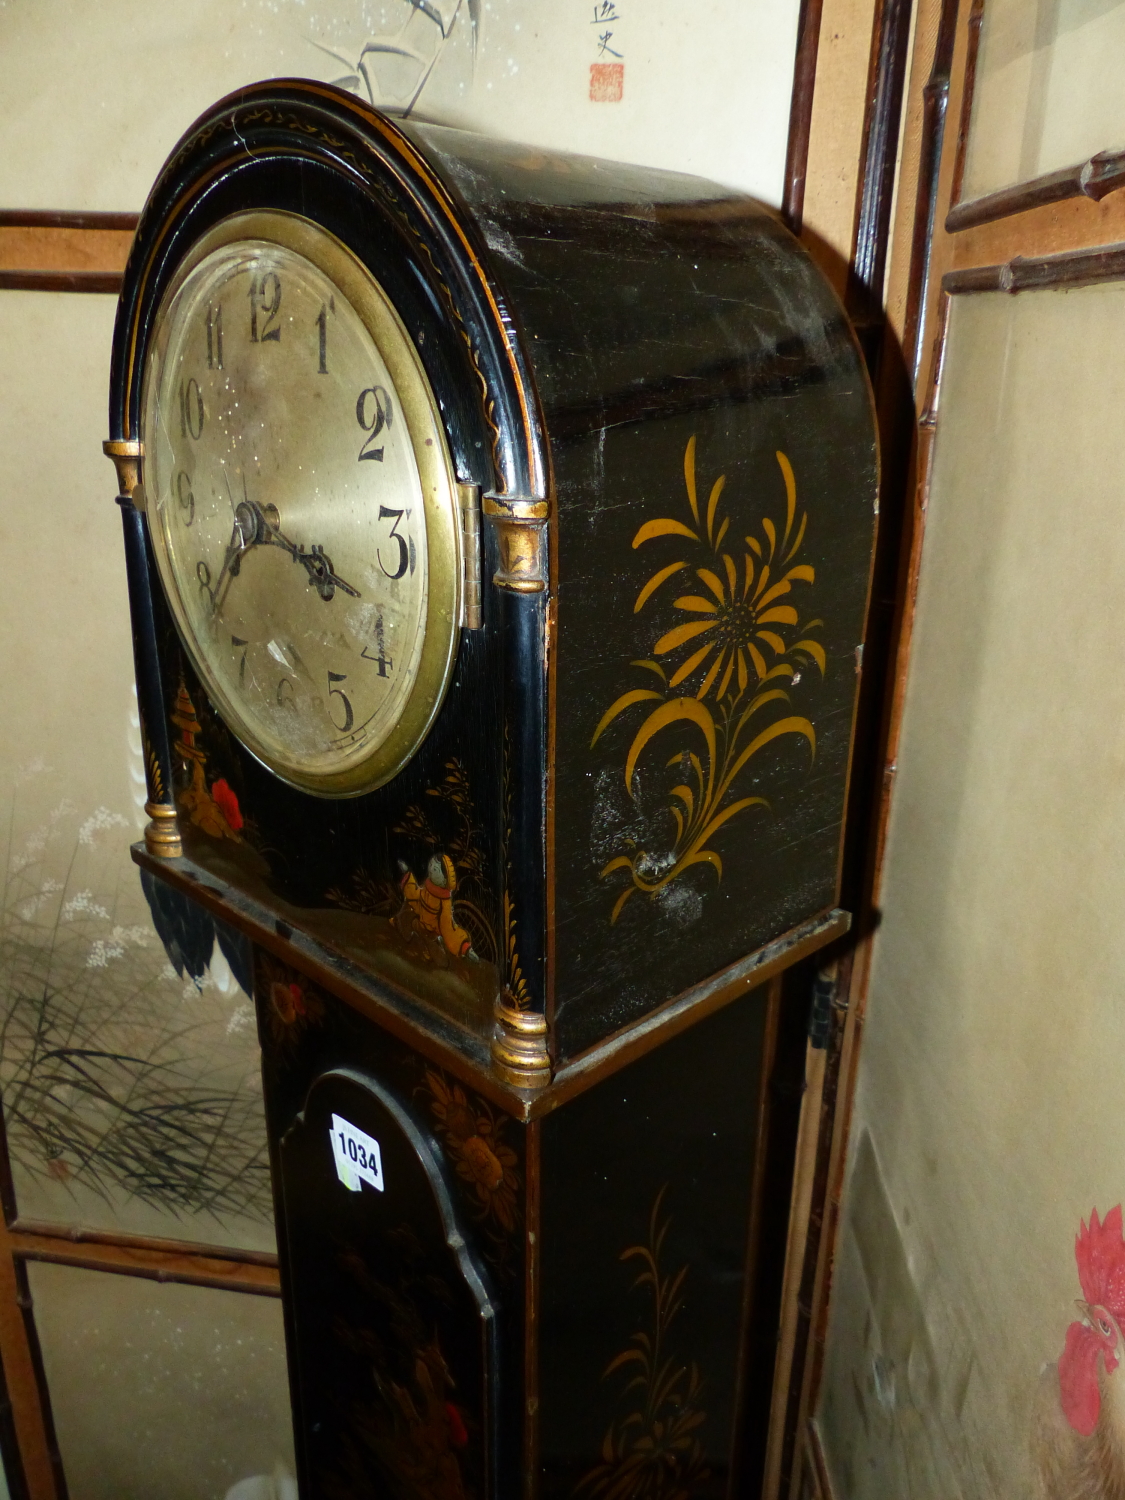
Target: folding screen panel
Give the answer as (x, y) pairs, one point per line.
(1047, 92)
(993, 1053)
(176, 1391)
(981, 1230)
(128, 1055)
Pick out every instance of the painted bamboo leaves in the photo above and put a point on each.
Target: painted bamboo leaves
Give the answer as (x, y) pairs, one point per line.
(652, 1450)
(722, 676)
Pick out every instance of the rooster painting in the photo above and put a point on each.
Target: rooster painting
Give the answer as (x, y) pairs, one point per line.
(1078, 1426)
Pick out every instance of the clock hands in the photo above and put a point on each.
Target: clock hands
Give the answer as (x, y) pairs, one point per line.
(259, 526)
(318, 565)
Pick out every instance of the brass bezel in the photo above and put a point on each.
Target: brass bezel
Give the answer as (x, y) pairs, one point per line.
(420, 409)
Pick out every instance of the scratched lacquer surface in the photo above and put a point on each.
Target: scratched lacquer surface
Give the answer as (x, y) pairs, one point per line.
(704, 728)
(714, 465)
(705, 722)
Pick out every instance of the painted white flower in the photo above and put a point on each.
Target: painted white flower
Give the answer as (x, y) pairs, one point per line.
(83, 905)
(99, 820)
(103, 949)
(240, 1018)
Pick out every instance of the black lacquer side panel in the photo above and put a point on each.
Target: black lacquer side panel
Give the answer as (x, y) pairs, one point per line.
(645, 1212)
(691, 830)
(525, 758)
(150, 692)
(715, 468)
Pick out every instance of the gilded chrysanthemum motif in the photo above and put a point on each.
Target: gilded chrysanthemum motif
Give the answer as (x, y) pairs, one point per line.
(724, 670)
(472, 1134)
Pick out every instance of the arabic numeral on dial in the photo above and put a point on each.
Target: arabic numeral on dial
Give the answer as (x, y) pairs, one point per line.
(237, 643)
(265, 297)
(381, 659)
(373, 412)
(215, 337)
(406, 554)
(286, 693)
(191, 410)
(185, 497)
(203, 578)
(335, 692)
(322, 334)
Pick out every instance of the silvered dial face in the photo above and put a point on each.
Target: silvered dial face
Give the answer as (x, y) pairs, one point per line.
(297, 483)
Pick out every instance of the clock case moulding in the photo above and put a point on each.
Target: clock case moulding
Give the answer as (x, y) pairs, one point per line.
(666, 417)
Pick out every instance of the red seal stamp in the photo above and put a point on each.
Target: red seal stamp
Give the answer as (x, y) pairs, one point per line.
(607, 82)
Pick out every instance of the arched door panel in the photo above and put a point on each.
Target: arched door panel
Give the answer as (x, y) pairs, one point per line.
(394, 1324)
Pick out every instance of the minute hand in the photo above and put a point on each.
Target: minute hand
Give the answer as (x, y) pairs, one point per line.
(316, 562)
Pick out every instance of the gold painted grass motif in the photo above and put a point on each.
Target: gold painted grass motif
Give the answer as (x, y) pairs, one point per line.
(652, 1449)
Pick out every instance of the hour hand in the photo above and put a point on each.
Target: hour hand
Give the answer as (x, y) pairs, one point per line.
(318, 565)
(256, 526)
(242, 539)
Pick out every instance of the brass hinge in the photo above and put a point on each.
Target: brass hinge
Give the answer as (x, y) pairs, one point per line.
(471, 612)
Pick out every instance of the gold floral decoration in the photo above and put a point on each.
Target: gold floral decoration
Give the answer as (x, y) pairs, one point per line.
(517, 993)
(723, 673)
(472, 1133)
(516, 990)
(651, 1450)
(294, 1003)
(152, 761)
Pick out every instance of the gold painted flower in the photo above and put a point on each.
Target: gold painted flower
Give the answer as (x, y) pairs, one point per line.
(724, 683)
(737, 642)
(472, 1135)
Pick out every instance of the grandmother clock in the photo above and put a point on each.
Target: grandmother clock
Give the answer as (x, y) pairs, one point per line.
(498, 528)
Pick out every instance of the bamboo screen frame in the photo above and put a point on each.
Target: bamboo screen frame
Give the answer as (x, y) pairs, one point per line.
(1065, 228)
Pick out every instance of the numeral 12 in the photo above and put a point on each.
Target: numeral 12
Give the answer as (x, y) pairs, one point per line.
(265, 296)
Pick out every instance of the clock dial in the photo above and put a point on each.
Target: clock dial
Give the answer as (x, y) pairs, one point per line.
(300, 503)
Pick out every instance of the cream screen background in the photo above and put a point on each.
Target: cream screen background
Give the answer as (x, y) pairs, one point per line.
(94, 96)
(987, 1118)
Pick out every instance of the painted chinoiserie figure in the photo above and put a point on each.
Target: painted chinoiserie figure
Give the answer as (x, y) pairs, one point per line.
(498, 527)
